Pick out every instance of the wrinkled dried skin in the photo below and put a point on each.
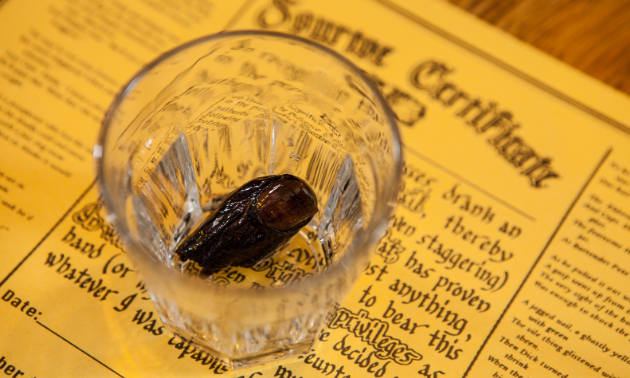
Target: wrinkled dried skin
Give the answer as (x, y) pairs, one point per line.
(250, 223)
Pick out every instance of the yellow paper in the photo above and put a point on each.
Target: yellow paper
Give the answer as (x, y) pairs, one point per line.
(509, 254)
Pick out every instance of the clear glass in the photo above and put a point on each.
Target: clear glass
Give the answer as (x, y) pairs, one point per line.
(209, 116)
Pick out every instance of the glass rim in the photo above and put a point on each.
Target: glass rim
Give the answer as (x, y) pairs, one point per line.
(382, 209)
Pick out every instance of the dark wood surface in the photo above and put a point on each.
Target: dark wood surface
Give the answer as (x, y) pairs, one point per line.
(591, 35)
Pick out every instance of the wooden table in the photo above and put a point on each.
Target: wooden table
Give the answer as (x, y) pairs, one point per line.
(591, 35)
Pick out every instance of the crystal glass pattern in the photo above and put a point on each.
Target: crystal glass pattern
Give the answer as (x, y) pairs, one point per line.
(204, 119)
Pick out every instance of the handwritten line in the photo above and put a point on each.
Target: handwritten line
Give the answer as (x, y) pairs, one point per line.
(553, 236)
(470, 183)
(84, 352)
(238, 14)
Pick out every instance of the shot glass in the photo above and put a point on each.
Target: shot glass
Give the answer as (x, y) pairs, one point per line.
(204, 119)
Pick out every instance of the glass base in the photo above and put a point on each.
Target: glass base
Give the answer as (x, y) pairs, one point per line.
(245, 361)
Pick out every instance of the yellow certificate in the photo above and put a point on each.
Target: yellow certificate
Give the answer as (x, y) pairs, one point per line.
(508, 255)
